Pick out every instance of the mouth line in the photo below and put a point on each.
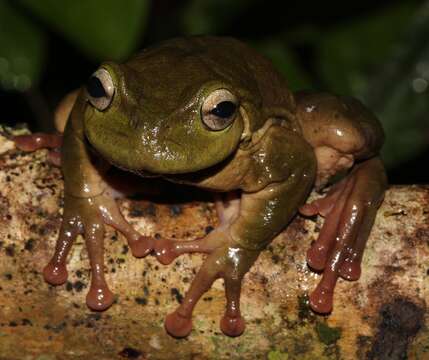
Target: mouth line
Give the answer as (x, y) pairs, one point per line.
(94, 152)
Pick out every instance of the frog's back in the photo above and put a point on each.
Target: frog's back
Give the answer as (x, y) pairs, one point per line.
(272, 87)
(207, 57)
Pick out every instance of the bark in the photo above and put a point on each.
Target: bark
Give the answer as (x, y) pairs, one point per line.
(381, 316)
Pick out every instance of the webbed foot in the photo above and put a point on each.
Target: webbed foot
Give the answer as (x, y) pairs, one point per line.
(225, 260)
(349, 210)
(88, 216)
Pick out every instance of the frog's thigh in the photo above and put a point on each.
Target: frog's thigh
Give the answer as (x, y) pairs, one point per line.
(330, 162)
(340, 129)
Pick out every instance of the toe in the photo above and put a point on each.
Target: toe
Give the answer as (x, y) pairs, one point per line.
(99, 299)
(55, 274)
(232, 326)
(178, 325)
(142, 247)
(321, 300)
(164, 251)
(309, 209)
(316, 257)
(350, 270)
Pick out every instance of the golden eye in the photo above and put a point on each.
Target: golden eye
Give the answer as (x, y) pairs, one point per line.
(219, 109)
(100, 89)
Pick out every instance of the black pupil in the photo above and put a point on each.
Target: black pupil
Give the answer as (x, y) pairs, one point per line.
(95, 87)
(224, 109)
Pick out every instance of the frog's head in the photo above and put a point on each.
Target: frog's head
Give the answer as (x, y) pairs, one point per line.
(177, 108)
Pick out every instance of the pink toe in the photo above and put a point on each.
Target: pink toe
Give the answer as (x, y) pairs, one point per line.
(321, 300)
(316, 257)
(99, 299)
(309, 209)
(164, 251)
(26, 142)
(350, 270)
(55, 274)
(142, 247)
(178, 325)
(232, 326)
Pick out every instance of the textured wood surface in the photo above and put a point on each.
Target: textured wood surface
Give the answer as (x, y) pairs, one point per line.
(382, 316)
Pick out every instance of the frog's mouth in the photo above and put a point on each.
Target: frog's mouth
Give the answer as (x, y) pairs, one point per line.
(120, 149)
(157, 150)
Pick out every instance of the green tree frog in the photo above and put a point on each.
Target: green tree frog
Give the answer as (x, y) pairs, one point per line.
(213, 113)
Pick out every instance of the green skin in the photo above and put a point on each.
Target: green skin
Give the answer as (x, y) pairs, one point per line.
(278, 147)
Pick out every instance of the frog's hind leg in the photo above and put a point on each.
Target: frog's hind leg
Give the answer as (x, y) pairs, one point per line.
(330, 207)
(227, 208)
(349, 210)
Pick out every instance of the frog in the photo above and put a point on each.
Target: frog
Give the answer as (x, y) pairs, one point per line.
(213, 113)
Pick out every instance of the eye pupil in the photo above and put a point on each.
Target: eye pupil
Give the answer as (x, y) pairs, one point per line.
(224, 109)
(95, 87)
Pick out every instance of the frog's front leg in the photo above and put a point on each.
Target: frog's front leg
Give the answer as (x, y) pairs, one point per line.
(262, 213)
(345, 135)
(88, 206)
(227, 208)
(87, 216)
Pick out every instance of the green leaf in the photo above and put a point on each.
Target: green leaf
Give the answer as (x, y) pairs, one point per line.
(103, 29)
(351, 52)
(22, 46)
(398, 93)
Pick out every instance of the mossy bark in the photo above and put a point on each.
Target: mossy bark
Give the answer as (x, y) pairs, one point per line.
(381, 316)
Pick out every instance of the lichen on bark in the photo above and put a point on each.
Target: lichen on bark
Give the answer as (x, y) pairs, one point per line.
(386, 308)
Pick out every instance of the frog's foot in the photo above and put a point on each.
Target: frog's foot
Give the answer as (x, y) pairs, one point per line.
(224, 261)
(227, 207)
(227, 262)
(88, 216)
(349, 209)
(38, 141)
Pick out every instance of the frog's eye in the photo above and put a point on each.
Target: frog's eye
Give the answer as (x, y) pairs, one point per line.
(100, 89)
(219, 109)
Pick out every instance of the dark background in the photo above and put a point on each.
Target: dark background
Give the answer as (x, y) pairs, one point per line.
(377, 51)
